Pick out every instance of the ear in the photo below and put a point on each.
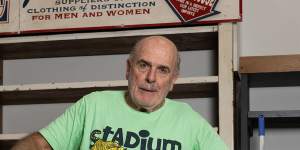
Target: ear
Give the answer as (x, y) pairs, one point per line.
(128, 66)
(174, 78)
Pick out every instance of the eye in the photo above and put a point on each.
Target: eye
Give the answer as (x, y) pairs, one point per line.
(142, 66)
(164, 70)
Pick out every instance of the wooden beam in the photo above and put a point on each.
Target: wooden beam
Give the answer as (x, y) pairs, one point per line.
(226, 128)
(103, 43)
(1, 71)
(1, 106)
(70, 92)
(274, 79)
(236, 54)
(266, 64)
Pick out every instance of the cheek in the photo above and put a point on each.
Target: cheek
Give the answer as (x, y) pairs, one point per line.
(165, 86)
(138, 76)
(135, 79)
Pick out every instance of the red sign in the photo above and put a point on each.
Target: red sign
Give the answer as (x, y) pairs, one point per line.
(190, 10)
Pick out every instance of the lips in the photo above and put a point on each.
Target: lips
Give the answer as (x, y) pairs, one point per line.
(149, 88)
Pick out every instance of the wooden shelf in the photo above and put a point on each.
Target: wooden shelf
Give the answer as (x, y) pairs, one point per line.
(217, 38)
(248, 120)
(8, 140)
(18, 136)
(275, 114)
(103, 43)
(268, 64)
(276, 79)
(10, 137)
(277, 119)
(70, 92)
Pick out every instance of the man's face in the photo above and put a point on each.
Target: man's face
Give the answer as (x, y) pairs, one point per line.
(151, 73)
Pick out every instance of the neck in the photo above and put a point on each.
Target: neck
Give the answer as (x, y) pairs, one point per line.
(135, 106)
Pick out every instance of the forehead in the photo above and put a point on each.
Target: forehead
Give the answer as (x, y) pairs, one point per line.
(157, 51)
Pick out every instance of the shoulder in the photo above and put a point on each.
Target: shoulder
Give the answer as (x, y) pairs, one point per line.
(103, 95)
(185, 111)
(179, 105)
(183, 108)
(100, 98)
(176, 105)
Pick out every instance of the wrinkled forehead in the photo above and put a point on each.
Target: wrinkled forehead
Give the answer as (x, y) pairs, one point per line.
(159, 49)
(158, 43)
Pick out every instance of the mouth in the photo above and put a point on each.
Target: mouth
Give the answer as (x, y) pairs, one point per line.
(148, 90)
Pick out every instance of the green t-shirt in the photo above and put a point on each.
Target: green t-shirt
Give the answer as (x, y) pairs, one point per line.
(104, 119)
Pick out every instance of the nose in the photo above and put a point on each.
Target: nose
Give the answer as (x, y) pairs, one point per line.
(151, 76)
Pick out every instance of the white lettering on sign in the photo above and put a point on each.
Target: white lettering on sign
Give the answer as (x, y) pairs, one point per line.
(206, 2)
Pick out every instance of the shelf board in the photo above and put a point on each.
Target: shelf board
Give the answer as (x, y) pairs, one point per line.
(191, 87)
(8, 140)
(9, 137)
(270, 64)
(276, 79)
(18, 136)
(103, 43)
(275, 114)
(277, 119)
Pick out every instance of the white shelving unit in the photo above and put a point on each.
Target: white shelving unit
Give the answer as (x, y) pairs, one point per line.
(218, 37)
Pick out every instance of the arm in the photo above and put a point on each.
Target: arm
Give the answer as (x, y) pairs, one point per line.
(65, 132)
(35, 141)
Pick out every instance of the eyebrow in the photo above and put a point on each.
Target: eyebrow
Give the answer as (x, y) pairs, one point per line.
(150, 64)
(144, 61)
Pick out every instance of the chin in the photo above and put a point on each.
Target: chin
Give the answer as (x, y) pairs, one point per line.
(145, 101)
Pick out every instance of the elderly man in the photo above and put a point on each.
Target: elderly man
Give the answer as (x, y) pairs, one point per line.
(141, 118)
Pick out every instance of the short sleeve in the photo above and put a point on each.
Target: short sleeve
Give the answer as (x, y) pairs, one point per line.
(66, 131)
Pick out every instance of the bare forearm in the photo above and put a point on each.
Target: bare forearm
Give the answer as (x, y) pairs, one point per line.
(34, 141)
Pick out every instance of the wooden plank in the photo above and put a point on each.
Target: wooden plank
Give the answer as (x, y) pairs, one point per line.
(1, 107)
(265, 64)
(109, 34)
(1, 71)
(236, 54)
(94, 84)
(242, 107)
(109, 43)
(71, 92)
(275, 114)
(226, 128)
(274, 79)
(277, 119)
(8, 140)
(16, 136)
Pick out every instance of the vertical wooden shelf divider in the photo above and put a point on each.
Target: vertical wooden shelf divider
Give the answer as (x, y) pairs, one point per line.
(226, 129)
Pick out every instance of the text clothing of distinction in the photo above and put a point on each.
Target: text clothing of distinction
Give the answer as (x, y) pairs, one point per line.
(93, 7)
(124, 5)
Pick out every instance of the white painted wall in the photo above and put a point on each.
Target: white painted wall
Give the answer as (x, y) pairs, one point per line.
(270, 27)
